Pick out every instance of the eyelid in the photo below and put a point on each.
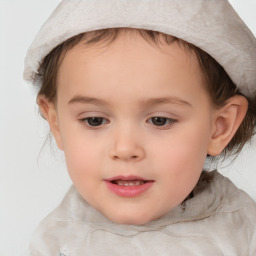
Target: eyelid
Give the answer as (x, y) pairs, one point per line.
(88, 114)
(163, 114)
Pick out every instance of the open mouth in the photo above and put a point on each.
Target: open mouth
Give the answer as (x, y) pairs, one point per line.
(128, 186)
(127, 183)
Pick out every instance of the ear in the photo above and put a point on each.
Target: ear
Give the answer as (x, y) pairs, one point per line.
(226, 122)
(48, 109)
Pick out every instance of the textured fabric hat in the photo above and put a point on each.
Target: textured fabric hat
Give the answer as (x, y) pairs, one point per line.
(211, 25)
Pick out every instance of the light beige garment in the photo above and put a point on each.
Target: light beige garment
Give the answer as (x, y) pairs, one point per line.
(218, 220)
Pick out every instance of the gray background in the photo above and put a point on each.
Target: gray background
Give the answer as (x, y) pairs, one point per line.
(34, 179)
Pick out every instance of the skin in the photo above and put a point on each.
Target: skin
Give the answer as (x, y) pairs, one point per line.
(126, 75)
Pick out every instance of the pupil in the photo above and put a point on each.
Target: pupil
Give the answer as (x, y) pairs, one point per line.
(159, 121)
(95, 121)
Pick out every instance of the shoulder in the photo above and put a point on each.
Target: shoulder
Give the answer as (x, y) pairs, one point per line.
(223, 196)
(231, 212)
(60, 227)
(220, 188)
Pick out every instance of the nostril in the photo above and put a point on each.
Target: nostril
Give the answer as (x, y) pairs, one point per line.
(132, 157)
(127, 154)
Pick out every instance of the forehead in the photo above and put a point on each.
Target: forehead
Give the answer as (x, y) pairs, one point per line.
(129, 61)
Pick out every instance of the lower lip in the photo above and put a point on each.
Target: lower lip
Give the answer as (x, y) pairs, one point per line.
(129, 191)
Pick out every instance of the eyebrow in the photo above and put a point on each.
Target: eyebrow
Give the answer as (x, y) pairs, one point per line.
(87, 100)
(144, 102)
(165, 100)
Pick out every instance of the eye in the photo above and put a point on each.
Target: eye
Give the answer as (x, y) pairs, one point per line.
(94, 121)
(161, 121)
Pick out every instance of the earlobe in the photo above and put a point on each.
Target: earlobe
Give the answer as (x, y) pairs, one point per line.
(226, 122)
(49, 112)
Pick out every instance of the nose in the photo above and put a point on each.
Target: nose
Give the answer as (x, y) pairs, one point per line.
(127, 146)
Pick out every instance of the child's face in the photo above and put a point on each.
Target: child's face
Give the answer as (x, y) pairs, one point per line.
(130, 166)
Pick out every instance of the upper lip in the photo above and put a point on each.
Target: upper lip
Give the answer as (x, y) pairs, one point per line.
(129, 177)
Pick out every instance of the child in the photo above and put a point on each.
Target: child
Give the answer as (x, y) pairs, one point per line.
(137, 94)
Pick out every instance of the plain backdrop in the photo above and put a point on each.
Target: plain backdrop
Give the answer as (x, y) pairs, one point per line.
(33, 176)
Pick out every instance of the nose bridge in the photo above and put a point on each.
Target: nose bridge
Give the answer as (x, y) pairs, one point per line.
(127, 144)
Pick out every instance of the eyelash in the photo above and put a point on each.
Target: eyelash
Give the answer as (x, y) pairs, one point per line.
(168, 120)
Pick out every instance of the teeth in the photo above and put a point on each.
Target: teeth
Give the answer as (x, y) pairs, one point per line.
(127, 183)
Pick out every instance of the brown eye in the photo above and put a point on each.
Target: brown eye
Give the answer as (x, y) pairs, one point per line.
(161, 121)
(94, 121)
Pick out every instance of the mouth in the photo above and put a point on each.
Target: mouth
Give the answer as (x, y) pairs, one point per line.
(128, 186)
(129, 182)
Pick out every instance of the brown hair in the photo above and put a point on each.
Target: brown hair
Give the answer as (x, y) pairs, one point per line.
(220, 86)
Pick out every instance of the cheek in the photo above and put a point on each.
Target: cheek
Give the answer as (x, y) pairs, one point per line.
(186, 147)
(82, 155)
(82, 161)
(181, 158)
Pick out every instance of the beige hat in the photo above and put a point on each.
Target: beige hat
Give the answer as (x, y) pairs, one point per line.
(212, 25)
